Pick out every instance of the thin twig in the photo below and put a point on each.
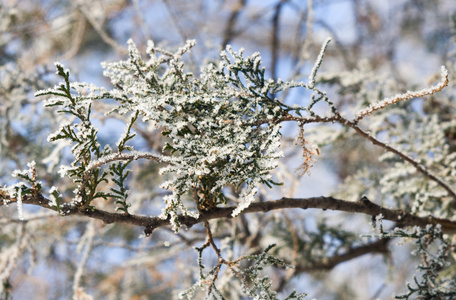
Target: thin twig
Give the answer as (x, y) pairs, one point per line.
(275, 42)
(317, 64)
(211, 240)
(305, 48)
(88, 239)
(175, 20)
(229, 33)
(140, 19)
(76, 39)
(304, 53)
(101, 32)
(220, 262)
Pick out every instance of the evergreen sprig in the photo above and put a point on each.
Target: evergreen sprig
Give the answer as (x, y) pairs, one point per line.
(433, 249)
(120, 173)
(222, 125)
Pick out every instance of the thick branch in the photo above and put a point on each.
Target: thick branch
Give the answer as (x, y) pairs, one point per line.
(363, 206)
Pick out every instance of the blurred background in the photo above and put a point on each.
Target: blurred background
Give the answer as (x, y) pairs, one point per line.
(398, 45)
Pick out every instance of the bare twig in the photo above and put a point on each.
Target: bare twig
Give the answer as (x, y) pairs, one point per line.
(87, 238)
(175, 19)
(275, 42)
(101, 32)
(140, 19)
(76, 39)
(220, 262)
(380, 246)
(211, 240)
(328, 263)
(305, 48)
(229, 33)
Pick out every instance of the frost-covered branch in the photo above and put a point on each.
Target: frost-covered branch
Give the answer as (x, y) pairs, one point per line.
(222, 129)
(215, 125)
(406, 96)
(134, 155)
(318, 62)
(419, 167)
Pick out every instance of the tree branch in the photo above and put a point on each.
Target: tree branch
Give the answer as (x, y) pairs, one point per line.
(275, 42)
(229, 32)
(328, 263)
(363, 206)
(101, 32)
(353, 124)
(419, 167)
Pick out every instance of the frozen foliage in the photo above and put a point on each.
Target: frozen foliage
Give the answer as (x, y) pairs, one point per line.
(429, 147)
(222, 132)
(220, 125)
(253, 284)
(222, 129)
(426, 135)
(216, 123)
(426, 142)
(433, 249)
(88, 154)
